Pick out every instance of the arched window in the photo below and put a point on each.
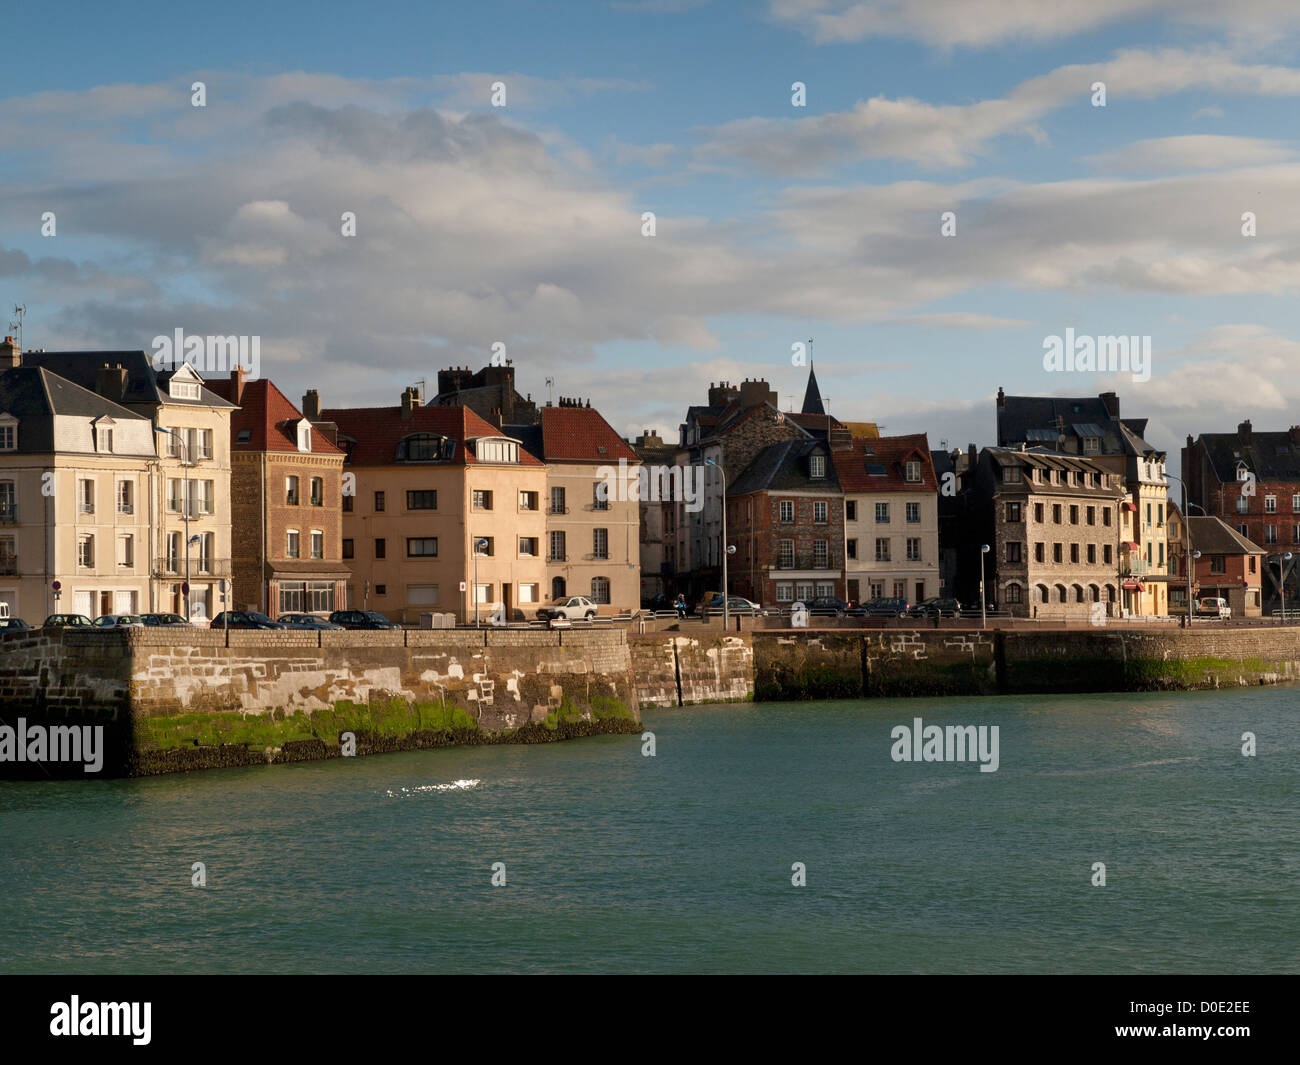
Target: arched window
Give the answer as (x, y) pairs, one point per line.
(1110, 593)
(557, 588)
(1042, 593)
(1060, 593)
(600, 589)
(1078, 593)
(1095, 592)
(1013, 593)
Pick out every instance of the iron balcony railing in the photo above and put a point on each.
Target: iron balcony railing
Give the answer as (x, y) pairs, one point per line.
(175, 567)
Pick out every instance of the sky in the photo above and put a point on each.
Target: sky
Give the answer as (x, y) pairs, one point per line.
(522, 225)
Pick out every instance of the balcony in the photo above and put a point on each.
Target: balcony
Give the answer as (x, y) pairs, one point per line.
(561, 509)
(175, 567)
(809, 562)
(561, 557)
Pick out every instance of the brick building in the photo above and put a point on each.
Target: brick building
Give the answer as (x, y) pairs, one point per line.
(1251, 480)
(1230, 566)
(489, 393)
(286, 504)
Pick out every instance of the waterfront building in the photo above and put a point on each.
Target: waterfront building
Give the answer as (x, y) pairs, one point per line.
(891, 516)
(447, 512)
(1251, 480)
(1230, 566)
(286, 504)
(658, 521)
(185, 499)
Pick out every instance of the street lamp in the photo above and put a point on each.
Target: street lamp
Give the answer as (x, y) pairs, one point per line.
(1282, 569)
(478, 549)
(984, 620)
(726, 591)
(1187, 540)
(185, 508)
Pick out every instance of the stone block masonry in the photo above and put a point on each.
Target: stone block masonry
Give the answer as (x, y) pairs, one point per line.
(673, 669)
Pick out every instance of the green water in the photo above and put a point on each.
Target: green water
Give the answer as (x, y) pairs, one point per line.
(682, 862)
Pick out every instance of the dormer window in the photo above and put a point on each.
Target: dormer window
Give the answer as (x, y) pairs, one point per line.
(912, 471)
(496, 449)
(1243, 474)
(304, 435)
(425, 447)
(103, 430)
(243, 436)
(8, 432)
(1091, 445)
(817, 467)
(182, 390)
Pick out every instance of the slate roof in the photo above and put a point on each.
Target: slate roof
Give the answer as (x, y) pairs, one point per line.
(812, 396)
(1213, 536)
(270, 418)
(1270, 456)
(375, 432)
(1043, 419)
(33, 395)
(784, 467)
(144, 385)
(877, 465)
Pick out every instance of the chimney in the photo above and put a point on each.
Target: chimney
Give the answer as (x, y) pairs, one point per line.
(1002, 398)
(1111, 402)
(840, 437)
(409, 402)
(311, 405)
(110, 382)
(1294, 434)
(10, 354)
(1243, 431)
(755, 392)
(237, 377)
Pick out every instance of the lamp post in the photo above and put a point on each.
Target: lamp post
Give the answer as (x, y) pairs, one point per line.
(984, 619)
(478, 547)
(185, 508)
(1187, 541)
(1282, 569)
(726, 592)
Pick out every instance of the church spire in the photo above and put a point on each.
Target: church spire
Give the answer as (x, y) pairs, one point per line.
(812, 397)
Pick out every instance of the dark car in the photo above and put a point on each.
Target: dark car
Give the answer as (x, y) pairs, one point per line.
(362, 619)
(935, 607)
(165, 621)
(826, 606)
(68, 621)
(12, 624)
(736, 605)
(244, 619)
(883, 607)
(306, 621)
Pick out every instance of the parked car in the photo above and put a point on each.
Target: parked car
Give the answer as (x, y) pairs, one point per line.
(735, 605)
(935, 607)
(883, 607)
(244, 619)
(662, 601)
(361, 619)
(119, 621)
(826, 606)
(166, 621)
(306, 621)
(1213, 607)
(67, 621)
(570, 607)
(8, 624)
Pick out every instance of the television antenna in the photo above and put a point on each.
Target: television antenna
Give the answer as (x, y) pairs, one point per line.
(19, 310)
(550, 383)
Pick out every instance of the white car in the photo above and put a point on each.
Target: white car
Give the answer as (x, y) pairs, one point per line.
(1214, 608)
(569, 607)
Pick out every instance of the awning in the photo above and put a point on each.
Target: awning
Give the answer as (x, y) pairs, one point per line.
(1129, 545)
(1130, 505)
(1130, 585)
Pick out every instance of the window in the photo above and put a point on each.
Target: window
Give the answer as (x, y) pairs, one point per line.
(379, 501)
(1091, 515)
(900, 589)
(1242, 504)
(557, 501)
(1295, 499)
(1105, 515)
(104, 439)
(912, 512)
(527, 501)
(1013, 593)
(381, 548)
(600, 496)
(206, 546)
(86, 551)
(1013, 512)
(182, 389)
(825, 589)
(914, 549)
(85, 497)
(173, 552)
(425, 447)
(482, 499)
(1011, 475)
(317, 492)
(483, 593)
(126, 550)
(1160, 514)
(851, 548)
(1058, 554)
(912, 471)
(821, 556)
(8, 502)
(1038, 513)
(485, 546)
(600, 543)
(9, 439)
(1041, 589)
(528, 592)
(348, 548)
(1270, 504)
(421, 547)
(1056, 513)
(1091, 445)
(125, 497)
(557, 547)
(785, 592)
(1244, 529)
(1218, 564)
(882, 549)
(423, 499)
(803, 592)
(819, 512)
(600, 589)
(317, 543)
(496, 449)
(304, 435)
(1074, 552)
(381, 589)
(202, 496)
(1074, 515)
(291, 543)
(882, 513)
(1270, 534)
(291, 491)
(1106, 554)
(1160, 561)
(1040, 551)
(347, 503)
(1078, 592)
(786, 508)
(851, 510)
(817, 467)
(1012, 550)
(1060, 593)
(785, 555)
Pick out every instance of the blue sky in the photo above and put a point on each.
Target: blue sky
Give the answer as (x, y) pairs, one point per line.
(774, 223)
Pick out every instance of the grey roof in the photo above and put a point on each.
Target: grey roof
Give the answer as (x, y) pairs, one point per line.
(144, 384)
(34, 395)
(1088, 429)
(529, 437)
(1270, 456)
(812, 396)
(1216, 537)
(1043, 419)
(783, 466)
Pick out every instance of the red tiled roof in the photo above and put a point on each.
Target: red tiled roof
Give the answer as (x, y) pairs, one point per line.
(270, 418)
(378, 430)
(890, 452)
(580, 434)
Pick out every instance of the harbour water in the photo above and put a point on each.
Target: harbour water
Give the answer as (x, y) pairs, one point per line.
(682, 862)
